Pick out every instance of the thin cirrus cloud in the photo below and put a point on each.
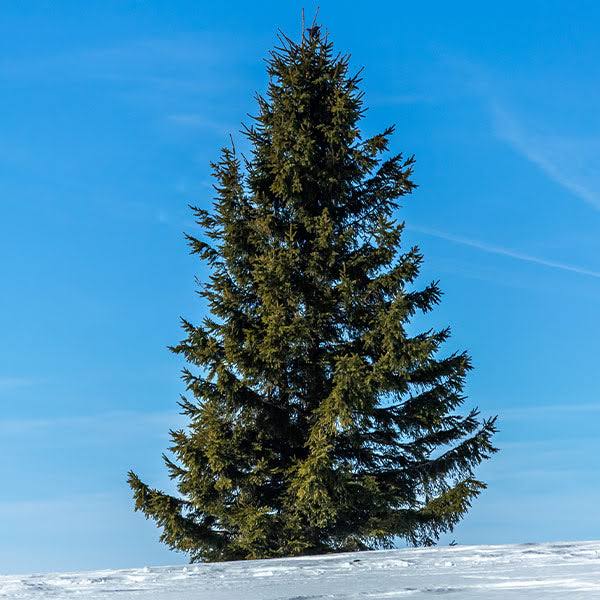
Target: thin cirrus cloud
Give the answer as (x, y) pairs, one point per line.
(150, 60)
(116, 422)
(14, 382)
(568, 161)
(551, 410)
(146, 71)
(566, 158)
(197, 121)
(501, 251)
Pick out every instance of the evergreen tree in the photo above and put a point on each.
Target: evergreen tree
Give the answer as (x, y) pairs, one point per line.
(316, 422)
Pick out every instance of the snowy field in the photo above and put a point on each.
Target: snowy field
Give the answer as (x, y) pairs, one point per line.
(562, 570)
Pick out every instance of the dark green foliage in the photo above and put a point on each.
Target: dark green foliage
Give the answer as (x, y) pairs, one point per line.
(316, 422)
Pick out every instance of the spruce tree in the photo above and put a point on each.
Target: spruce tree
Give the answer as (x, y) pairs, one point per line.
(317, 423)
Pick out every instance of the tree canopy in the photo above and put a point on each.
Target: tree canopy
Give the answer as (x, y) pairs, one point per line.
(317, 423)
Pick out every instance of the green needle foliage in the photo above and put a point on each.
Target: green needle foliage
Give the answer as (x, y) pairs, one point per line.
(316, 422)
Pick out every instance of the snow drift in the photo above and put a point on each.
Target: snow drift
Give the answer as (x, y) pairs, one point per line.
(568, 571)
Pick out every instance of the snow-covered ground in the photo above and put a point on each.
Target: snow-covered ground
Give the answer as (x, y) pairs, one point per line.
(569, 571)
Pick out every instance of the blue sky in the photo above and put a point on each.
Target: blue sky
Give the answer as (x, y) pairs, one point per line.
(110, 113)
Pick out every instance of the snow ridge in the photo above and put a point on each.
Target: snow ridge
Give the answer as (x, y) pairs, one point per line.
(560, 570)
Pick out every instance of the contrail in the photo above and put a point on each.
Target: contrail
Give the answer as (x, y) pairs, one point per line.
(491, 249)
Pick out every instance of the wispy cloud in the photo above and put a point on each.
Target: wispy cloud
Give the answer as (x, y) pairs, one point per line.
(551, 410)
(565, 157)
(159, 62)
(499, 250)
(399, 99)
(14, 382)
(569, 161)
(115, 422)
(200, 122)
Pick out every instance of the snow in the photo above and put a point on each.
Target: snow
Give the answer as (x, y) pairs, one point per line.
(568, 571)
